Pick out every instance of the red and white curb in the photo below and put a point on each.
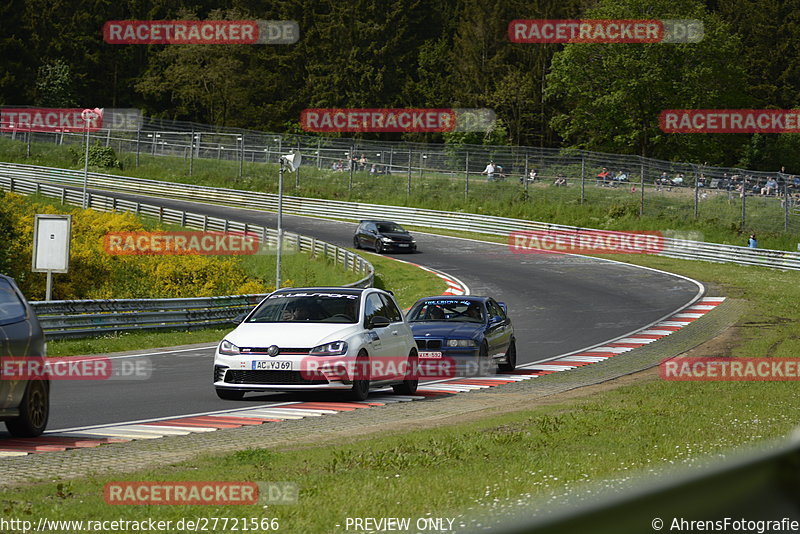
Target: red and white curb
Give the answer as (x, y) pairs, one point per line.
(454, 285)
(277, 412)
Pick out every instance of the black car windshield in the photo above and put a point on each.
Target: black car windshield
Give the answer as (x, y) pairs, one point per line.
(12, 310)
(308, 307)
(450, 310)
(390, 227)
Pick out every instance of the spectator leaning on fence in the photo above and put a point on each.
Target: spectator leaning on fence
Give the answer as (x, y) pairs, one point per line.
(489, 171)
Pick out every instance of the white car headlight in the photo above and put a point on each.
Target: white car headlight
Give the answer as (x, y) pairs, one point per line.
(228, 348)
(334, 348)
(461, 343)
(386, 239)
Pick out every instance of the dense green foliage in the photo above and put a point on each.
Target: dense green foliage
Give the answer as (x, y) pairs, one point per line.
(424, 53)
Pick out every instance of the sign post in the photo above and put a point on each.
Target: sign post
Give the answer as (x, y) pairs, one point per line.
(89, 116)
(51, 238)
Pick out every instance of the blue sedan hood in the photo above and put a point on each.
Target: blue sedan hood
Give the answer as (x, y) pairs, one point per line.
(448, 329)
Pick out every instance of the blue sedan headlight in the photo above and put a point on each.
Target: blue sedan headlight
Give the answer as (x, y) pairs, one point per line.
(462, 343)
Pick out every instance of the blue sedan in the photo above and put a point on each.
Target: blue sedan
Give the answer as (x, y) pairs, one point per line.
(473, 332)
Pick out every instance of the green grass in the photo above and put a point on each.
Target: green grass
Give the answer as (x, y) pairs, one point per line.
(126, 341)
(526, 456)
(604, 207)
(408, 283)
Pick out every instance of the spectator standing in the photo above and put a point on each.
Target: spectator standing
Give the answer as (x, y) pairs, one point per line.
(489, 171)
(752, 242)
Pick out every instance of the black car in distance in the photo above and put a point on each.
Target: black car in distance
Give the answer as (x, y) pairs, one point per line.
(383, 236)
(24, 404)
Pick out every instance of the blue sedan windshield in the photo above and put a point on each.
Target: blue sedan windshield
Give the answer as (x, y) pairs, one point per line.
(450, 310)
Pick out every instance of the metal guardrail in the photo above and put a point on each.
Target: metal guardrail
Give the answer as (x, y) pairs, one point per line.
(757, 489)
(81, 318)
(486, 224)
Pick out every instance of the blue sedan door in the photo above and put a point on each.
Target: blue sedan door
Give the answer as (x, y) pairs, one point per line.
(498, 334)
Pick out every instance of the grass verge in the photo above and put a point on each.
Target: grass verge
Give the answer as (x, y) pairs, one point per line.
(503, 460)
(408, 283)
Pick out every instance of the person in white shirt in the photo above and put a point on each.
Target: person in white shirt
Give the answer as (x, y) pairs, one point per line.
(489, 171)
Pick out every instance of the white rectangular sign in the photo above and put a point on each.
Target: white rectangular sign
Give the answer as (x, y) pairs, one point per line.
(51, 237)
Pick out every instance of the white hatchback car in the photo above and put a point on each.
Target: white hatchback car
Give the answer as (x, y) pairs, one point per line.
(325, 338)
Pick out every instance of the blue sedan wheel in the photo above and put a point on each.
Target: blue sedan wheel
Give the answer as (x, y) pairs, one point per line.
(511, 359)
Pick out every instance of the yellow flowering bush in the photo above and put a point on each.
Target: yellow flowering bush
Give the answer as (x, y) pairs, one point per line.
(95, 274)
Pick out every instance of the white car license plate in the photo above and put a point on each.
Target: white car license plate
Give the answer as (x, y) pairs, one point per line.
(429, 355)
(402, 244)
(272, 365)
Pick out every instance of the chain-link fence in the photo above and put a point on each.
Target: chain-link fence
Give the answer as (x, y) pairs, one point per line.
(461, 177)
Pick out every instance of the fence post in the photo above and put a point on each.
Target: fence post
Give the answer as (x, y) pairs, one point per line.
(466, 169)
(28, 149)
(744, 204)
(525, 176)
(786, 204)
(241, 155)
(138, 140)
(641, 203)
(408, 185)
(297, 170)
(583, 177)
(319, 153)
(191, 153)
(351, 164)
(696, 192)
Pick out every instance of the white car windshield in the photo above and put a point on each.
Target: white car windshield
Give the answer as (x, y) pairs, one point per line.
(308, 307)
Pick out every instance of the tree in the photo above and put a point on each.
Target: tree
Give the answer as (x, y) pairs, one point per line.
(610, 96)
(55, 85)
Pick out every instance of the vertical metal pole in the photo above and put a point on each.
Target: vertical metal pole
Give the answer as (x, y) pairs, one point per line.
(138, 136)
(241, 156)
(297, 170)
(191, 153)
(86, 164)
(352, 165)
(641, 185)
(466, 173)
(391, 156)
(280, 228)
(583, 177)
(408, 185)
(525, 176)
(696, 192)
(786, 205)
(744, 205)
(28, 150)
(319, 153)
(421, 164)
(49, 287)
